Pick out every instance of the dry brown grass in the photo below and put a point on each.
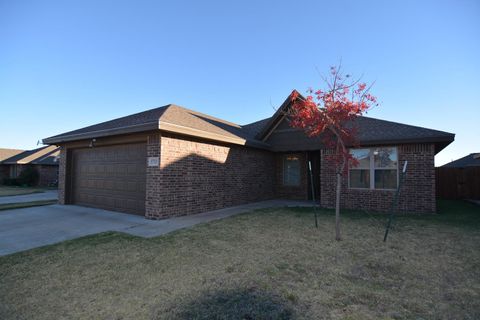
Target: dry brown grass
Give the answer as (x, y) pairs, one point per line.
(269, 264)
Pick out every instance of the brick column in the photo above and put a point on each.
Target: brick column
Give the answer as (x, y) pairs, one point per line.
(153, 198)
(62, 168)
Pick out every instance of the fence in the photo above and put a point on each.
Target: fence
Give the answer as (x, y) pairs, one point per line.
(458, 183)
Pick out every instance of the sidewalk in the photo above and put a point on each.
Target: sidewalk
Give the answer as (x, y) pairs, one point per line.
(41, 196)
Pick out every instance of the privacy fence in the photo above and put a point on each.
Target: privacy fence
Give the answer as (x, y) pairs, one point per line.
(458, 183)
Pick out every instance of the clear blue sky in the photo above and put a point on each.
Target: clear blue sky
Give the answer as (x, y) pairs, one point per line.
(68, 64)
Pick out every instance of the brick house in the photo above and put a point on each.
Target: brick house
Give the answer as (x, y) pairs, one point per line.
(172, 161)
(43, 159)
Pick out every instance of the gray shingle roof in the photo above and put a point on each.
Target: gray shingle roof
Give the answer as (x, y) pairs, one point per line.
(472, 160)
(373, 130)
(173, 118)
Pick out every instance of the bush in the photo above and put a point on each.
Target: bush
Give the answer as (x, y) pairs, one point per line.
(29, 176)
(11, 182)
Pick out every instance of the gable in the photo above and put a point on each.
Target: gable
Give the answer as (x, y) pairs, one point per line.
(278, 134)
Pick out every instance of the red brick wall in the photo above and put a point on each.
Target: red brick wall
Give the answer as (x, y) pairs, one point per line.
(4, 172)
(62, 166)
(197, 176)
(417, 193)
(48, 175)
(291, 192)
(153, 193)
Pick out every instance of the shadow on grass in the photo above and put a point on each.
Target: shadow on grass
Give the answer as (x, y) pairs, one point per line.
(239, 304)
(449, 212)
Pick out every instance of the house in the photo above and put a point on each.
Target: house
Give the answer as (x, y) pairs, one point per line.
(471, 160)
(172, 161)
(44, 160)
(5, 154)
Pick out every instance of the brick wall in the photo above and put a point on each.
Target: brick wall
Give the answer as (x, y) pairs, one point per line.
(47, 175)
(291, 192)
(62, 166)
(417, 193)
(4, 172)
(197, 176)
(153, 193)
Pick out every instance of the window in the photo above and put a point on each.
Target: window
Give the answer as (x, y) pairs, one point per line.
(13, 171)
(385, 166)
(291, 171)
(360, 175)
(377, 168)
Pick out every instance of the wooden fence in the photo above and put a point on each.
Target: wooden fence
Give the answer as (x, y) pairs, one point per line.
(458, 183)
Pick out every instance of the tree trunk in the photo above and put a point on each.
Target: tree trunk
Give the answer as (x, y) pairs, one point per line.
(337, 207)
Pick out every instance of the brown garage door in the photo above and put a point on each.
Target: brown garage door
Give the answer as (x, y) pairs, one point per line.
(111, 177)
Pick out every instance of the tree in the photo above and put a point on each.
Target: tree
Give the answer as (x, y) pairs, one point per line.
(331, 114)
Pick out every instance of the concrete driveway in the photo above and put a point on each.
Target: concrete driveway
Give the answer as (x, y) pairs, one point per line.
(22, 229)
(27, 228)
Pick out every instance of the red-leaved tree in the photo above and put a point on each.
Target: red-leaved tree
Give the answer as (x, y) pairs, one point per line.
(330, 113)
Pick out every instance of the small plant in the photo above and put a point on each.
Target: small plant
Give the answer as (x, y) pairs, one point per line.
(331, 113)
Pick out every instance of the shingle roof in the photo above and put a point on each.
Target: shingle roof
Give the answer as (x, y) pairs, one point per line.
(35, 156)
(373, 130)
(50, 159)
(472, 160)
(8, 153)
(173, 118)
(170, 118)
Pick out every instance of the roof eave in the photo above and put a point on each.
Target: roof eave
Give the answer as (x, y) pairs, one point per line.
(440, 142)
(161, 125)
(56, 140)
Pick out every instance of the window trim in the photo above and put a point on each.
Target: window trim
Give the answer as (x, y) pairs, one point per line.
(372, 170)
(284, 159)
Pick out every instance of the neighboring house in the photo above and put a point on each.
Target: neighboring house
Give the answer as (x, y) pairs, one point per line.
(459, 179)
(172, 161)
(5, 154)
(472, 160)
(44, 159)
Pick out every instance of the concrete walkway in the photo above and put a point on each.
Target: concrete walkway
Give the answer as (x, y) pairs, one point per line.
(40, 196)
(27, 228)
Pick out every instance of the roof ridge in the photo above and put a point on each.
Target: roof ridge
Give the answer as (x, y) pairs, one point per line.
(254, 122)
(204, 115)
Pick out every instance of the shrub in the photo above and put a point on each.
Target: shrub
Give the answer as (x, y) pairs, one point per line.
(29, 176)
(11, 182)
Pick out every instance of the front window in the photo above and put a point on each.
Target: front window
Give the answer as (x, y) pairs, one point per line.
(377, 168)
(291, 170)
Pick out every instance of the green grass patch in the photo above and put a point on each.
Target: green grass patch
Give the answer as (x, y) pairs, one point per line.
(20, 205)
(16, 191)
(266, 264)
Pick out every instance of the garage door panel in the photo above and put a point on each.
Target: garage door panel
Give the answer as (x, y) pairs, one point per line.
(111, 178)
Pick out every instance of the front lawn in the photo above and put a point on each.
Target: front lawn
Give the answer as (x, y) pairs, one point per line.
(267, 264)
(15, 191)
(19, 205)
